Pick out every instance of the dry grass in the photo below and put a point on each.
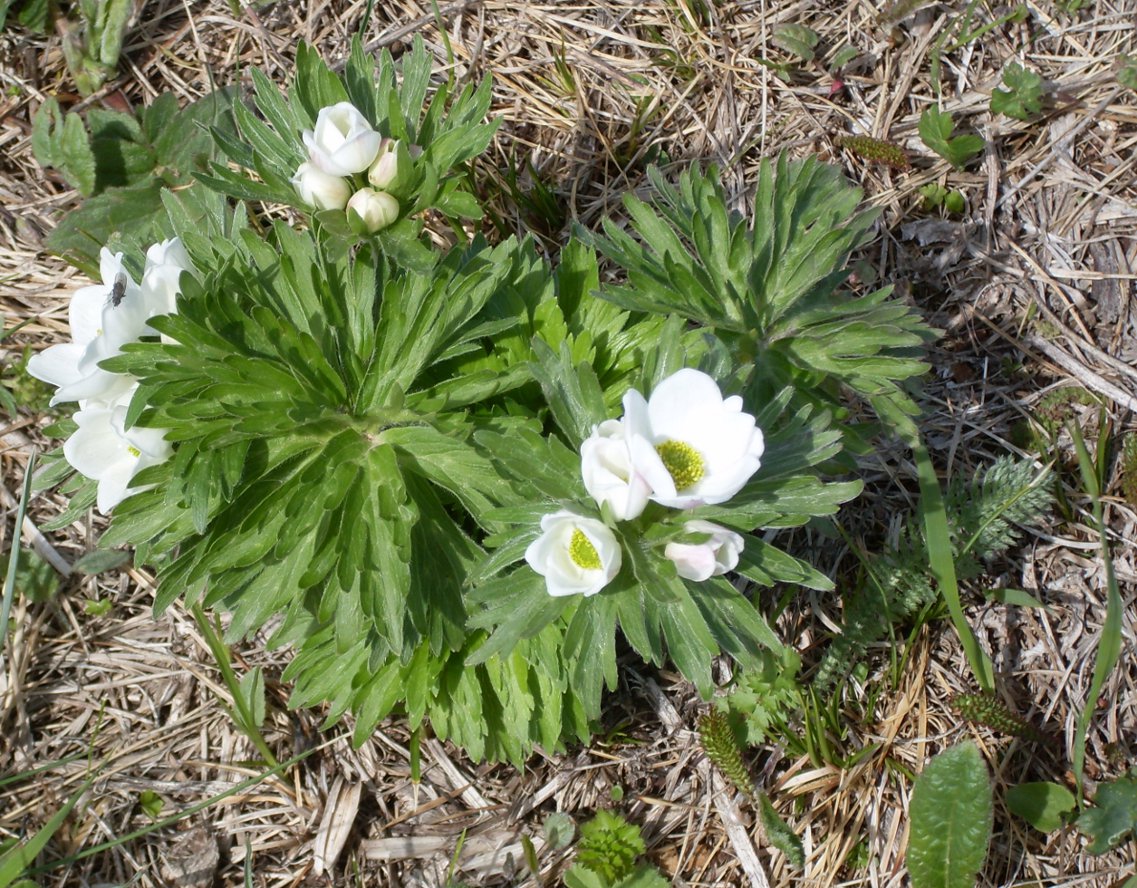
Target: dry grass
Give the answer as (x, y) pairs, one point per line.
(1034, 287)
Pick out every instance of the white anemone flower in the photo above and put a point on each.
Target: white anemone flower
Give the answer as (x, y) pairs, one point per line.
(343, 142)
(104, 450)
(575, 555)
(692, 446)
(99, 329)
(714, 556)
(606, 465)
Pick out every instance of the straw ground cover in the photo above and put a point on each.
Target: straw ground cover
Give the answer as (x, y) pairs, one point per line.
(1032, 285)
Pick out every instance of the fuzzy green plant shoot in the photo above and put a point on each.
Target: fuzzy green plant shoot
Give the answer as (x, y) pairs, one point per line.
(986, 708)
(875, 151)
(92, 47)
(1109, 646)
(721, 747)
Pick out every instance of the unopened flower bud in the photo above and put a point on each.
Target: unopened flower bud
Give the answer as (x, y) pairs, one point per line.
(319, 189)
(369, 211)
(386, 172)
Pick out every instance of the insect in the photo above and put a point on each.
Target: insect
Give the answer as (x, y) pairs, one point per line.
(118, 291)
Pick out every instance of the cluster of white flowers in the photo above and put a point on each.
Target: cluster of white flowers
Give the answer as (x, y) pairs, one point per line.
(342, 148)
(685, 446)
(103, 318)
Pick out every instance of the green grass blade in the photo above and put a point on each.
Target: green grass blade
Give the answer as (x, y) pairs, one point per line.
(14, 552)
(942, 564)
(16, 862)
(1109, 647)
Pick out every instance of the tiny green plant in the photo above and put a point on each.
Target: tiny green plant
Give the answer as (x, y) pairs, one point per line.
(951, 816)
(936, 129)
(606, 856)
(1127, 71)
(1022, 98)
(796, 39)
(936, 195)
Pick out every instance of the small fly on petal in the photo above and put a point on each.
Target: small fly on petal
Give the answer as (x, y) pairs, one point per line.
(118, 290)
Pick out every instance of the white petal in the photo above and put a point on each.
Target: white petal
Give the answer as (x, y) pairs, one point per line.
(113, 486)
(85, 312)
(97, 385)
(96, 447)
(693, 561)
(58, 365)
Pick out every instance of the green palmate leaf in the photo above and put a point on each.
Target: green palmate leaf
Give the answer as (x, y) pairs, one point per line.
(936, 131)
(60, 140)
(1045, 806)
(1114, 815)
(951, 816)
(1022, 98)
(133, 160)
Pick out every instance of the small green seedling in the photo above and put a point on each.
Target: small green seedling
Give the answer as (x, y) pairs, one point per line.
(1127, 74)
(151, 803)
(796, 39)
(936, 131)
(1022, 98)
(606, 856)
(936, 195)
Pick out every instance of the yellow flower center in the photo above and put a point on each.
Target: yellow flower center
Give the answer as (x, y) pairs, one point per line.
(582, 552)
(683, 462)
(133, 451)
